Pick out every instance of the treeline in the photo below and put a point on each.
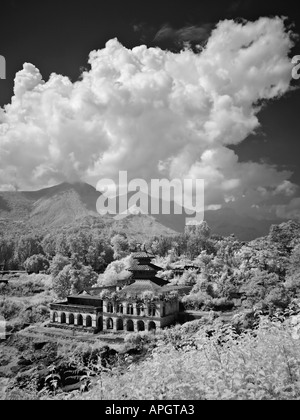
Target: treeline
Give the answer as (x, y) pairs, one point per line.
(263, 274)
(223, 272)
(92, 248)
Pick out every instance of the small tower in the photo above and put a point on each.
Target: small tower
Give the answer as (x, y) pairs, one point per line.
(142, 268)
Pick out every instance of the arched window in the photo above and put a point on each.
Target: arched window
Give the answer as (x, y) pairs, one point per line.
(80, 320)
(140, 309)
(55, 317)
(71, 319)
(110, 324)
(120, 325)
(88, 321)
(63, 318)
(120, 308)
(151, 326)
(141, 326)
(110, 308)
(130, 309)
(130, 325)
(152, 310)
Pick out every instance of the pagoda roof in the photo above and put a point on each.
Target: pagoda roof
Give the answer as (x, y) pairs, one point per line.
(154, 285)
(144, 267)
(95, 291)
(142, 254)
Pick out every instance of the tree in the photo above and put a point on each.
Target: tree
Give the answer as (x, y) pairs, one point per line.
(226, 249)
(6, 252)
(263, 255)
(264, 289)
(277, 298)
(285, 234)
(202, 230)
(27, 246)
(197, 239)
(117, 270)
(58, 263)
(196, 301)
(214, 273)
(120, 246)
(292, 284)
(61, 246)
(78, 243)
(36, 263)
(159, 245)
(49, 245)
(95, 259)
(293, 273)
(74, 278)
(189, 278)
(294, 263)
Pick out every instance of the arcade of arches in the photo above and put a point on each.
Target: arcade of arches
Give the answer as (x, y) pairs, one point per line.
(129, 325)
(103, 323)
(76, 319)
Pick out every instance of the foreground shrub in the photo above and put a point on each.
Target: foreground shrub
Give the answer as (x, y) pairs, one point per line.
(29, 286)
(36, 263)
(260, 366)
(9, 309)
(35, 314)
(139, 339)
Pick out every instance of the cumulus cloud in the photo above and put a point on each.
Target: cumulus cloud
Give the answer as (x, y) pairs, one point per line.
(153, 113)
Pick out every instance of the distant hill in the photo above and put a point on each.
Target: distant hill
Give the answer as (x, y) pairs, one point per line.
(52, 207)
(65, 205)
(70, 204)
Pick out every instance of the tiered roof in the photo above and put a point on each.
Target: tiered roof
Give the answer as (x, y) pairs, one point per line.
(144, 274)
(142, 267)
(143, 254)
(136, 266)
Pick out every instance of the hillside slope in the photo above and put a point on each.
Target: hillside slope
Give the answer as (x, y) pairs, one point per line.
(68, 205)
(71, 204)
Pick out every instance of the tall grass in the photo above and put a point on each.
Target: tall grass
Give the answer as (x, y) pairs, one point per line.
(260, 366)
(189, 364)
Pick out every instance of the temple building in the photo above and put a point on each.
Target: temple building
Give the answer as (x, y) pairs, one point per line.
(145, 302)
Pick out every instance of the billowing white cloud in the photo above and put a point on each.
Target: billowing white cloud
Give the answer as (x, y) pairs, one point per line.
(153, 113)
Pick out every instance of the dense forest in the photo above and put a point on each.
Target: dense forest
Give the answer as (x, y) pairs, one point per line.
(222, 271)
(254, 355)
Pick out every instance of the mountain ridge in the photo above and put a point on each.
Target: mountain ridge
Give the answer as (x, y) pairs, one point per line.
(68, 203)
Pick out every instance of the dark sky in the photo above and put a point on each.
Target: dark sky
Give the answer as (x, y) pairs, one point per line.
(57, 36)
